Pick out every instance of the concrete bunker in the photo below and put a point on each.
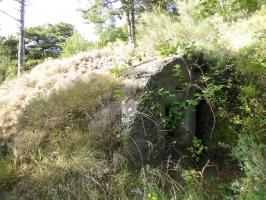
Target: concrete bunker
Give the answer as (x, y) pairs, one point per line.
(156, 119)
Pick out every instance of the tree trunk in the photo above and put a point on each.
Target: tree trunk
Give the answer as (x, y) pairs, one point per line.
(132, 24)
(128, 27)
(130, 17)
(21, 46)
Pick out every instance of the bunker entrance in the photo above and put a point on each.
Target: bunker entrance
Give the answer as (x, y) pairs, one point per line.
(204, 121)
(196, 122)
(152, 139)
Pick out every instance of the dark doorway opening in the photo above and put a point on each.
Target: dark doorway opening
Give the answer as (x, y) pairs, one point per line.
(204, 121)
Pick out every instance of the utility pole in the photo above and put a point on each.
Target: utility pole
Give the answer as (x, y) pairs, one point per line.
(21, 44)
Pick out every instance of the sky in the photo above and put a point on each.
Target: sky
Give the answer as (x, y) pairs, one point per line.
(39, 12)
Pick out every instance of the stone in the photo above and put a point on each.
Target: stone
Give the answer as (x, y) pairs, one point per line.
(147, 140)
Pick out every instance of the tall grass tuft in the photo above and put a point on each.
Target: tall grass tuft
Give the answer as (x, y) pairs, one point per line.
(67, 142)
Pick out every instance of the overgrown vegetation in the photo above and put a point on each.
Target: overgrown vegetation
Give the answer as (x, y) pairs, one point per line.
(76, 44)
(233, 80)
(67, 144)
(72, 146)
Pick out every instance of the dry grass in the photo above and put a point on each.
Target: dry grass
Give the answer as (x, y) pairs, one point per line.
(70, 145)
(66, 143)
(54, 75)
(65, 123)
(209, 34)
(62, 123)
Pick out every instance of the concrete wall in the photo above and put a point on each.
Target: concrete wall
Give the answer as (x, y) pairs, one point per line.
(147, 140)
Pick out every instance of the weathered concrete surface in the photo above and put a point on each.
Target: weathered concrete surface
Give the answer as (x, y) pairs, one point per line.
(148, 75)
(147, 141)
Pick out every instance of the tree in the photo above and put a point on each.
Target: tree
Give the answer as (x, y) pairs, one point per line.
(40, 42)
(21, 45)
(46, 41)
(104, 13)
(8, 57)
(228, 8)
(8, 47)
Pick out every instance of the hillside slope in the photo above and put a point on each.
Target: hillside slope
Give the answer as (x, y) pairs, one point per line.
(61, 124)
(54, 75)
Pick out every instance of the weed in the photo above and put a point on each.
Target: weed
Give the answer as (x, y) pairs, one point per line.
(166, 49)
(119, 70)
(8, 175)
(197, 148)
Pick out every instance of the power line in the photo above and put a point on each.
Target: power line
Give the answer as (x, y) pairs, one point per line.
(10, 15)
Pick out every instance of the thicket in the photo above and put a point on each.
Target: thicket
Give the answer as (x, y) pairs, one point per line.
(233, 70)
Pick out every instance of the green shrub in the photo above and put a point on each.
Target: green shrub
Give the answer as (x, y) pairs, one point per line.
(8, 175)
(228, 9)
(7, 69)
(166, 49)
(197, 148)
(75, 44)
(119, 70)
(253, 162)
(112, 34)
(29, 64)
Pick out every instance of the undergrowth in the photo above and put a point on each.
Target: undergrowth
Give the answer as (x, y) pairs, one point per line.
(232, 59)
(66, 144)
(72, 145)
